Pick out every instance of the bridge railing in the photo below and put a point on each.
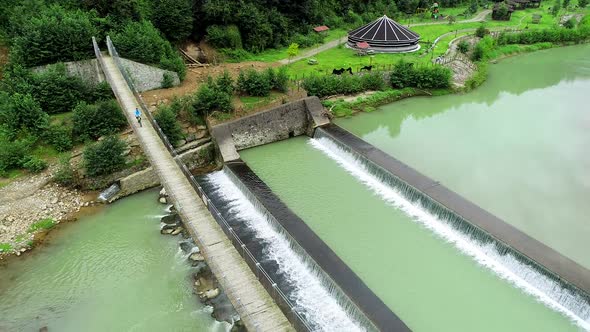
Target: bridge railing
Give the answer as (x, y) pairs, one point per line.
(287, 306)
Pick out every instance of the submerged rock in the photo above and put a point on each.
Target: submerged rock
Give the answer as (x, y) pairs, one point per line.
(196, 257)
(212, 293)
(187, 246)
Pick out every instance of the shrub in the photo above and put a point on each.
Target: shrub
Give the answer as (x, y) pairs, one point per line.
(253, 83)
(281, 80)
(166, 119)
(65, 175)
(225, 83)
(210, 99)
(323, 86)
(463, 46)
(60, 137)
(481, 31)
(570, 24)
(167, 81)
(20, 112)
(483, 49)
(308, 40)
(34, 164)
(13, 154)
(405, 74)
(104, 157)
(100, 119)
(57, 92)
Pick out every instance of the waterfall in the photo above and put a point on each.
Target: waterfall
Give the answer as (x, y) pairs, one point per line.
(314, 294)
(109, 193)
(505, 262)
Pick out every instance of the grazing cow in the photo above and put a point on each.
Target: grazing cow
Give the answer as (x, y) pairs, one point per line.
(367, 68)
(338, 71)
(349, 69)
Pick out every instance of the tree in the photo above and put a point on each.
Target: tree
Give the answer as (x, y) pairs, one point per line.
(166, 119)
(293, 50)
(473, 6)
(55, 35)
(583, 3)
(173, 18)
(57, 92)
(556, 8)
(566, 3)
(142, 42)
(104, 157)
(21, 112)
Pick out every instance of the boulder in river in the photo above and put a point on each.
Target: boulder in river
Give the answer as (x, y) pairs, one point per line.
(171, 219)
(167, 230)
(177, 230)
(163, 200)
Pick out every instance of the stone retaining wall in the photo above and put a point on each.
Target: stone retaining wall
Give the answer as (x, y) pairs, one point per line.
(147, 178)
(293, 119)
(144, 77)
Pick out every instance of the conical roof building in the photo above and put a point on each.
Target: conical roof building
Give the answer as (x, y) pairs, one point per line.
(384, 35)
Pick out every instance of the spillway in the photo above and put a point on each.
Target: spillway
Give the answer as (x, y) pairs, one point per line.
(512, 266)
(319, 302)
(390, 243)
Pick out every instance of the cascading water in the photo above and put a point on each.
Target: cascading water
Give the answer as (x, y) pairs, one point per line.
(502, 260)
(109, 193)
(316, 298)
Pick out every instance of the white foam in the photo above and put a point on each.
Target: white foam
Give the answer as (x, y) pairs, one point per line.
(313, 300)
(506, 266)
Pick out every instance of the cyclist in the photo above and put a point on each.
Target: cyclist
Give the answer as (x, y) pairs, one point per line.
(138, 116)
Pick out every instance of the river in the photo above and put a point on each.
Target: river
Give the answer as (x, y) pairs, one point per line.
(111, 271)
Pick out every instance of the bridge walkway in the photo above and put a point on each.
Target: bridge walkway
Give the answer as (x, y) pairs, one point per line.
(254, 305)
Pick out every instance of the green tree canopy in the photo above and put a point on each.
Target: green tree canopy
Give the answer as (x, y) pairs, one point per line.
(173, 18)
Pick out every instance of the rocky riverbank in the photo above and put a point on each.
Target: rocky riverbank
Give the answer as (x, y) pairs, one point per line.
(34, 204)
(205, 284)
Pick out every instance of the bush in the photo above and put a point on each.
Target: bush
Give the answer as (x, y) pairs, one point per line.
(57, 92)
(104, 157)
(13, 154)
(65, 175)
(166, 119)
(483, 49)
(225, 83)
(308, 40)
(405, 74)
(481, 31)
(167, 81)
(323, 86)
(281, 80)
(60, 137)
(34, 164)
(100, 119)
(550, 35)
(224, 36)
(570, 24)
(463, 46)
(19, 113)
(253, 83)
(210, 99)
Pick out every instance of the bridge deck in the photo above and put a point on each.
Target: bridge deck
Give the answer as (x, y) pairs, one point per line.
(256, 308)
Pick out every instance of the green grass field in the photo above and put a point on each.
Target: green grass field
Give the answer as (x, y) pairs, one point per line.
(342, 57)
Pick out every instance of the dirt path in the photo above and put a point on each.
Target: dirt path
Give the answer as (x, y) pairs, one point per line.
(478, 18)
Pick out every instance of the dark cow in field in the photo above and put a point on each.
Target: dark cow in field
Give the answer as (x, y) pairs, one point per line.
(367, 68)
(341, 71)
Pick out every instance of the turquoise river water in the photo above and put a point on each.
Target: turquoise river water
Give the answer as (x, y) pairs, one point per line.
(440, 282)
(111, 271)
(518, 146)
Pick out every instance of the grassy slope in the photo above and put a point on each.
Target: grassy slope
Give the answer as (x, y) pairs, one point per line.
(343, 57)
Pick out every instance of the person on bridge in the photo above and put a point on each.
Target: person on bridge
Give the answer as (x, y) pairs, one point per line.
(138, 116)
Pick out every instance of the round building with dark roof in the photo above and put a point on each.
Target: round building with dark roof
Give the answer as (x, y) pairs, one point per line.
(384, 35)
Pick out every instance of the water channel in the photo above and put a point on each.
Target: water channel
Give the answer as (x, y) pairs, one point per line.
(523, 135)
(111, 271)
